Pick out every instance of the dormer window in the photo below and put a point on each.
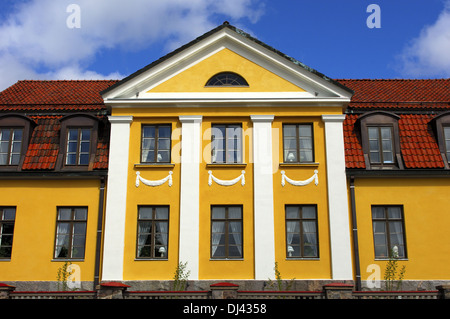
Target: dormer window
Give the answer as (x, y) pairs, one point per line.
(78, 142)
(10, 145)
(380, 144)
(78, 146)
(441, 128)
(15, 131)
(380, 140)
(227, 79)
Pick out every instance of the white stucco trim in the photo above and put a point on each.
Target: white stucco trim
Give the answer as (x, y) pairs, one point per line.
(190, 193)
(341, 260)
(114, 236)
(263, 197)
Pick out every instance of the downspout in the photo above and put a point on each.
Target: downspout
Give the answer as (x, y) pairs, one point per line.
(101, 204)
(355, 234)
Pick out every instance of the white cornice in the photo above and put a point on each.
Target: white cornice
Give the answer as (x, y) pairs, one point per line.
(136, 87)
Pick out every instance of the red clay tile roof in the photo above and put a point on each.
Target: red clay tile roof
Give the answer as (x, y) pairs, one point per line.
(54, 95)
(46, 102)
(399, 93)
(419, 148)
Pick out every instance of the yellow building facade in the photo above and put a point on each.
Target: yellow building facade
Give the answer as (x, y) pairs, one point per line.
(240, 163)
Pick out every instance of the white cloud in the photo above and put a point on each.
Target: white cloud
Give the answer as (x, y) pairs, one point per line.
(36, 36)
(428, 55)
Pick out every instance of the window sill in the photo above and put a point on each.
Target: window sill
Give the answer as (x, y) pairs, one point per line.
(151, 259)
(226, 259)
(302, 258)
(299, 164)
(387, 259)
(154, 165)
(234, 165)
(68, 260)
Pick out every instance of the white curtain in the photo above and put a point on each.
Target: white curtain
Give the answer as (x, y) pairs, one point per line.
(309, 229)
(62, 235)
(290, 229)
(218, 229)
(236, 229)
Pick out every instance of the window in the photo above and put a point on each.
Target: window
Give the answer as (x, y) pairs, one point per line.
(226, 143)
(388, 231)
(78, 146)
(15, 133)
(226, 232)
(156, 140)
(380, 145)
(227, 79)
(71, 232)
(380, 140)
(153, 232)
(7, 218)
(298, 143)
(78, 140)
(447, 141)
(301, 231)
(10, 145)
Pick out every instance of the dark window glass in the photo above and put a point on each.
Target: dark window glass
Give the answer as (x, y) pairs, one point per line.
(7, 219)
(388, 231)
(78, 146)
(447, 141)
(156, 144)
(226, 143)
(153, 232)
(301, 231)
(227, 79)
(71, 232)
(381, 148)
(10, 145)
(226, 232)
(298, 143)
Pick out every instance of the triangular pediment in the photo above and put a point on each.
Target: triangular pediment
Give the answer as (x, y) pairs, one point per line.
(181, 76)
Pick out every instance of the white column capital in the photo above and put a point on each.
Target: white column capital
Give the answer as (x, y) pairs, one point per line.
(190, 118)
(120, 119)
(262, 118)
(333, 117)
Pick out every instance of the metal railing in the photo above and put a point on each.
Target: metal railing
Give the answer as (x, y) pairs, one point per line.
(53, 295)
(433, 294)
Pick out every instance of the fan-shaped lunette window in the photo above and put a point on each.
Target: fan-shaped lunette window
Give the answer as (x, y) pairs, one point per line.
(227, 79)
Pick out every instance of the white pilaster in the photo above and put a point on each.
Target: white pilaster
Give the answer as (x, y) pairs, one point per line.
(341, 260)
(114, 237)
(190, 192)
(263, 197)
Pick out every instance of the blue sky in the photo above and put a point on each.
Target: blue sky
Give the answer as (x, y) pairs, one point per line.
(115, 38)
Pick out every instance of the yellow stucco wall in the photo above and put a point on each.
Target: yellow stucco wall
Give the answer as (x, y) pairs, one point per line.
(36, 203)
(426, 219)
(194, 78)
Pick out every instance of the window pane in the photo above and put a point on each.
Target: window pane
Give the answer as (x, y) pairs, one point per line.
(65, 214)
(373, 132)
(234, 212)
(292, 212)
(164, 131)
(9, 213)
(394, 212)
(85, 135)
(304, 131)
(148, 131)
(385, 133)
(306, 156)
(374, 157)
(218, 212)
(145, 213)
(290, 130)
(162, 212)
(309, 212)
